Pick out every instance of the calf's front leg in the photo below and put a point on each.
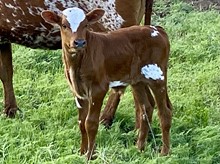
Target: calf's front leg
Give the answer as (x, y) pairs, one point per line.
(92, 121)
(83, 111)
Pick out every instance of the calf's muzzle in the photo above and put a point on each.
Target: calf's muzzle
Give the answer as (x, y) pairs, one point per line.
(79, 43)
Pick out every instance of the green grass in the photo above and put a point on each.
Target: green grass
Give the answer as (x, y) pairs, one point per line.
(47, 130)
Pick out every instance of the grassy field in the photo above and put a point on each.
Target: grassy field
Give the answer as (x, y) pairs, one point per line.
(47, 130)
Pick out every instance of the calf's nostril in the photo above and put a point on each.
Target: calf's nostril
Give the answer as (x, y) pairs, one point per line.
(75, 42)
(83, 42)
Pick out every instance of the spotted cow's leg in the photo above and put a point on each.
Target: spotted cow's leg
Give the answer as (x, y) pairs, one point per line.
(6, 75)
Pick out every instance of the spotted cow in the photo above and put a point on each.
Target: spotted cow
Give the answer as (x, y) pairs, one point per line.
(21, 23)
(135, 56)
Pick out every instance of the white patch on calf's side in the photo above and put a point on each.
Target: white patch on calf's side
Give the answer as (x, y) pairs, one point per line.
(154, 33)
(77, 103)
(153, 27)
(74, 16)
(152, 71)
(117, 84)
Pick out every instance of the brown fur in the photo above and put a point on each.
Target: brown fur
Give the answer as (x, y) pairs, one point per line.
(116, 56)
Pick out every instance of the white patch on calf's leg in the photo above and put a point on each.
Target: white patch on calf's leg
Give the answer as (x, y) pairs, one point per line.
(77, 103)
(152, 71)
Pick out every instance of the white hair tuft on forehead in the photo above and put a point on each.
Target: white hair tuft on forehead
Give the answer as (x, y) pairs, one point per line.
(74, 16)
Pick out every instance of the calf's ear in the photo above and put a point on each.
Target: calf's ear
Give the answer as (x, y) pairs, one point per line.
(50, 17)
(94, 15)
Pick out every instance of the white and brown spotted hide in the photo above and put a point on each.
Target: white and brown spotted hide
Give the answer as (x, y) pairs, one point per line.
(21, 22)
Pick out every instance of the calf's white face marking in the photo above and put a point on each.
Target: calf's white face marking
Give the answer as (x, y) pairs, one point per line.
(74, 16)
(152, 71)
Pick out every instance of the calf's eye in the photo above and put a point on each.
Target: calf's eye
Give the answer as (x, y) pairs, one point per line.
(64, 26)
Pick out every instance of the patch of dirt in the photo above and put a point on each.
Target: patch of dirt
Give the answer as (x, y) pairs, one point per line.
(205, 4)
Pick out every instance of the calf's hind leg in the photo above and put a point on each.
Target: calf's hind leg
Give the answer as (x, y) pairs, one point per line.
(150, 98)
(164, 105)
(144, 113)
(115, 95)
(6, 75)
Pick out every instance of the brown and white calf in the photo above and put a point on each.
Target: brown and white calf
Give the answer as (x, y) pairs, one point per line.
(135, 56)
(21, 23)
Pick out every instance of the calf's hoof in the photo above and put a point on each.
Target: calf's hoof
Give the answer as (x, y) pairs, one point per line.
(141, 145)
(83, 151)
(107, 122)
(164, 151)
(91, 156)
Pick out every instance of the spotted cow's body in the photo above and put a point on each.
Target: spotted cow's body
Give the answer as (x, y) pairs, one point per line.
(21, 23)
